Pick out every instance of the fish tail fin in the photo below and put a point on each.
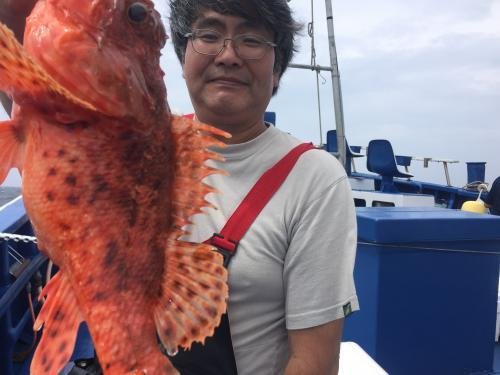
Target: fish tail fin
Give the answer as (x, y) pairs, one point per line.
(60, 318)
(10, 147)
(194, 295)
(25, 80)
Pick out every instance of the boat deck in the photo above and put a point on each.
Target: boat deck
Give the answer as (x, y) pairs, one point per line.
(8, 193)
(496, 362)
(84, 346)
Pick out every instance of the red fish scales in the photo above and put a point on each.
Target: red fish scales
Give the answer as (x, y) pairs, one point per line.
(109, 179)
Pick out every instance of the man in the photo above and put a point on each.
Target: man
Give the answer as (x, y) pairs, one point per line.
(290, 280)
(493, 199)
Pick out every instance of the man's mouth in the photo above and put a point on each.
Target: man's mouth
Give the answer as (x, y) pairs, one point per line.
(228, 81)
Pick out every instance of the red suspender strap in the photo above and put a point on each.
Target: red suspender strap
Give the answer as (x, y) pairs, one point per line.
(256, 199)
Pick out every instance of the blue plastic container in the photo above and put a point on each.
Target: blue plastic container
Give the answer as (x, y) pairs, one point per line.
(475, 171)
(427, 281)
(270, 117)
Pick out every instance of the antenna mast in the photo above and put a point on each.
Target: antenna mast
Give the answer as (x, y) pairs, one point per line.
(337, 90)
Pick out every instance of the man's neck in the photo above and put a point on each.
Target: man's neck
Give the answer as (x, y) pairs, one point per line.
(247, 134)
(240, 132)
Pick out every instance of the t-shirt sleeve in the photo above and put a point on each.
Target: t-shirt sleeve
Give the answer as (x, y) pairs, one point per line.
(318, 270)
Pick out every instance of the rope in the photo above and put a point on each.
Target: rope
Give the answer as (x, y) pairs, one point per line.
(310, 32)
(468, 251)
(17, 238)
(26, 239)
(30, 239)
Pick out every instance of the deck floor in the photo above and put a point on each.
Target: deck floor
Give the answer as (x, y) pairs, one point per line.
(496, 361)
(8, 193)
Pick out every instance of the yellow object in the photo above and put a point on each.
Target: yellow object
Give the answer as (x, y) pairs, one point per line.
(476, 206)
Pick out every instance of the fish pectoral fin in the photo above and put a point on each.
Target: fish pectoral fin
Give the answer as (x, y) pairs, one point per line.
(10, 147)
(26, 81)
(60, 318)
(192, 141)
(194, 295)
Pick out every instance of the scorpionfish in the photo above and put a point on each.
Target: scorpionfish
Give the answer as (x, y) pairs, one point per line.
(110, 177)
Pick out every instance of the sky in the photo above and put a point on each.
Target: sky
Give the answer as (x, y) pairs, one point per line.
(425, 75)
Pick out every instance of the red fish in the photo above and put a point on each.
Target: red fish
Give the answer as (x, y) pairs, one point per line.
(109, 178)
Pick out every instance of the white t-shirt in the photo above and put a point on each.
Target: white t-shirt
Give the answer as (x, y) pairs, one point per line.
(294, 267)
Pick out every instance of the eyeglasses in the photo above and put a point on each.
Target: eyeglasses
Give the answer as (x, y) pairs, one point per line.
(211, 42)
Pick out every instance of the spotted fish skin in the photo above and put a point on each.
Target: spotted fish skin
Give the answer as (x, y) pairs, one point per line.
(110, 178)
(80, 200)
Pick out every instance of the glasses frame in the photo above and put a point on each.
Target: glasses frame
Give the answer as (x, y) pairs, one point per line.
(192, 35)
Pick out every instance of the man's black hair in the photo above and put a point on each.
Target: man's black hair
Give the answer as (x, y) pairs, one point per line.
(273, 14)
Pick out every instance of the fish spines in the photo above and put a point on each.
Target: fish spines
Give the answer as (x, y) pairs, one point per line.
(194, 295)
(192, 141)
(194, 286)
(25, 80)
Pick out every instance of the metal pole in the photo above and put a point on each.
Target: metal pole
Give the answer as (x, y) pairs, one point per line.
(337, 91)
(448, 182)
(312, 67)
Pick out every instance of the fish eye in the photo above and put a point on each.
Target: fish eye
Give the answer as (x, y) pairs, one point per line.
(137, 12)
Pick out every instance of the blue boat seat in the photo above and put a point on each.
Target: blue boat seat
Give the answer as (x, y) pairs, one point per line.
(351, 152)
(380, 159)
(356, 149)
(403, 161)
(270, 117)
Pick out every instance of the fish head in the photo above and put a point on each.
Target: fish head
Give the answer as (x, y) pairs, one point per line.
(105, 52)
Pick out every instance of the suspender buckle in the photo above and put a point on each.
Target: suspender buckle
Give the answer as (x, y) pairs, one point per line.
(224, 246)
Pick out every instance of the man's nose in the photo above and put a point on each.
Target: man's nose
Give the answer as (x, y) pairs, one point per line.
(228, 55)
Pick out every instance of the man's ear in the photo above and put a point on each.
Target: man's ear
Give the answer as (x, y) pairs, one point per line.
(276, 80)
(182, 64)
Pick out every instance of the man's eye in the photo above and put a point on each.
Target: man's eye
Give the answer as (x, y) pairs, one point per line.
(251, 41)
(208, 37)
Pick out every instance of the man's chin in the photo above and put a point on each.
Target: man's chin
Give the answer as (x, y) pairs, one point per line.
(225, 105)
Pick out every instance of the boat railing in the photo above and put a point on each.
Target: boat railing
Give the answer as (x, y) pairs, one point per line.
(427, 160)
(405, 161)
(21, 270)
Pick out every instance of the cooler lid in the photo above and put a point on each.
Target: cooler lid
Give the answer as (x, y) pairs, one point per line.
(424, 224)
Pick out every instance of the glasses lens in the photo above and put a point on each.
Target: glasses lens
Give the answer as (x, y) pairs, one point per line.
(250, 47)
(211, 42)
(208, 42)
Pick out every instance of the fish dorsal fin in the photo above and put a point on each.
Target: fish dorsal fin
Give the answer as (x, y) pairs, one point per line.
(60, 318)
(195, 281)
(192, 140)
(10, 148)
(26, 81)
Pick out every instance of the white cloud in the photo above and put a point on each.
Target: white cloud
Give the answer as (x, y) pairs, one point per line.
(406, 27)
(422, 74)
(487, 26)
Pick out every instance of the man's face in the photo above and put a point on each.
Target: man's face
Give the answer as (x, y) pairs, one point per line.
(225, 89)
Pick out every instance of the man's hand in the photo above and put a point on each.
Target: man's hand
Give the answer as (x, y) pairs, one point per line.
(13, 13)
